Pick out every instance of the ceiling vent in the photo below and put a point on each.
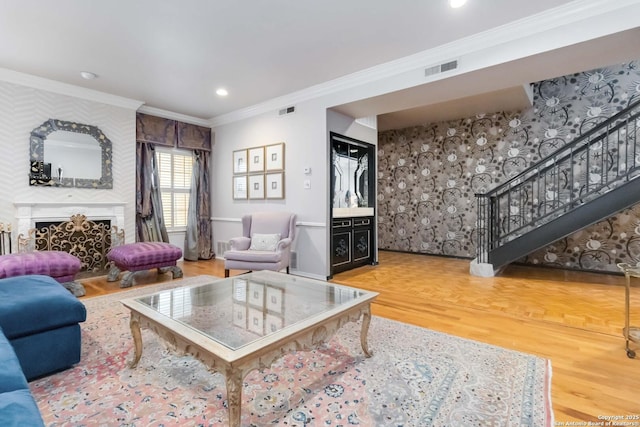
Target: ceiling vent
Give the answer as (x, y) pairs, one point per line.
(441, 68)
(287, 110)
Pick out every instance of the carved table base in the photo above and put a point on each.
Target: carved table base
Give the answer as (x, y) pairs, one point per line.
(264, 355)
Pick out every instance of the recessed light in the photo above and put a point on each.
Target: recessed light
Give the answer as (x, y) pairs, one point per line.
(457, 3)
(88, 75)
(222, 92)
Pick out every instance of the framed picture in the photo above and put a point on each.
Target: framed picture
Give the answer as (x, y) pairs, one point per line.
(256, 294)
(256, 159)
(240, 161)
(274, 157)
(273, 323)
(239, 314)
(274, 185)
(275, 299)
(240, 187)
(255, 321)
(240, 290)
(256, 186)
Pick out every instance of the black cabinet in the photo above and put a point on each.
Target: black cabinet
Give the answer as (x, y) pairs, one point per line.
(351, 243)
(353, 196)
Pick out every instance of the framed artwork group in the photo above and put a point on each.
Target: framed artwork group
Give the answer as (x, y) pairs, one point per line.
(258, 172)
(257, 307)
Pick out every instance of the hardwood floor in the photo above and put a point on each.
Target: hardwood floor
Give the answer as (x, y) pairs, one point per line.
(574, 319)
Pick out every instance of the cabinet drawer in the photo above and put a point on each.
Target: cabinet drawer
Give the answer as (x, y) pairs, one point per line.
(341, 223)
(361, 222)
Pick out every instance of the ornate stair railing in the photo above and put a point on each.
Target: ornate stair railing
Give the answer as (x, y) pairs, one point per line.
(548, 200)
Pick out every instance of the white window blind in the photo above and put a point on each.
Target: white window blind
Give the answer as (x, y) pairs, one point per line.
(175, 304)
(174, 173)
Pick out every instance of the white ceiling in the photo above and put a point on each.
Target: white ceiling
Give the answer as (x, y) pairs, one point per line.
(502, 87)
(510, 99)
(174, 55)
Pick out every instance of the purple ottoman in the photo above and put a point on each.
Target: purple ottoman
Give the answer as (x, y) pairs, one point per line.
(62, 266)
(134, 257)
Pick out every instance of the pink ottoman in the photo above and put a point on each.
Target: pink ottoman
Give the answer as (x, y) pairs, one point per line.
(134, 257)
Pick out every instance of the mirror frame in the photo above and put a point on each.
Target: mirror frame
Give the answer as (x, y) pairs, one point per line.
(39, 136)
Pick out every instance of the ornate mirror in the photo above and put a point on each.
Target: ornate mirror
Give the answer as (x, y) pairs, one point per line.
(68, 154)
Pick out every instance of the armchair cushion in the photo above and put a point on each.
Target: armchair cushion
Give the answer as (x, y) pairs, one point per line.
(254, 256)
(264, 242)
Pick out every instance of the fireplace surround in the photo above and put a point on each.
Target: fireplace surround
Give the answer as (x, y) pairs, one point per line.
(71, 227)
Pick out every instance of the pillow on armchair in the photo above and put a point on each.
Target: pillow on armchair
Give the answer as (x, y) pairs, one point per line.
(264, 242)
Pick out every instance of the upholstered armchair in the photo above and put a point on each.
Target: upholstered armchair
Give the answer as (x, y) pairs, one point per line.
(265, 243)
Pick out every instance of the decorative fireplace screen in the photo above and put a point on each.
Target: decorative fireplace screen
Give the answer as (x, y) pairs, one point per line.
(85, 239)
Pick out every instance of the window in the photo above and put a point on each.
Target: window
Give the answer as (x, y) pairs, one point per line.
(174, 172)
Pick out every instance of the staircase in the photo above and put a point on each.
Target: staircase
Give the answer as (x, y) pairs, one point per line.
(583, 182)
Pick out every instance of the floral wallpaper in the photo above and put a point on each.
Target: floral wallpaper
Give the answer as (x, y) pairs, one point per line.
(428, 175)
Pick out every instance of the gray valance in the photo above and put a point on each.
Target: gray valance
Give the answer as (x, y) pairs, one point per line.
(172, 133)
(194, 137)
(155, 130)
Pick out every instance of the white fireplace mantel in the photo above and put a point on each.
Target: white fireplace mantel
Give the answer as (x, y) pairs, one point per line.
(28, 213)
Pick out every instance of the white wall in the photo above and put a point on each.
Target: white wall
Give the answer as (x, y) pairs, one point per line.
(23, 108)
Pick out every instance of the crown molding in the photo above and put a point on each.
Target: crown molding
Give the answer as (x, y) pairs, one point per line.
(153, 111)
(561, 16)
(54, 86)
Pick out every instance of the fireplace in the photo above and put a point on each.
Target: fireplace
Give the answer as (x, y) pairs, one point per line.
(87, 240)
(83, 230)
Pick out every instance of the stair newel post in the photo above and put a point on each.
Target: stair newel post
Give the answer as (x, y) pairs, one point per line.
(494, 223)
(627, 165)
(482, 228)
(485, 226)
(635, 145)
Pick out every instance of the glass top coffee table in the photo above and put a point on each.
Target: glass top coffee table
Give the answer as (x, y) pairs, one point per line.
(246, 322)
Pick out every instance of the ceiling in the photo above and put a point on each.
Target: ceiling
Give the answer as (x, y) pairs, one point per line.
(173, 56)
(502, 87)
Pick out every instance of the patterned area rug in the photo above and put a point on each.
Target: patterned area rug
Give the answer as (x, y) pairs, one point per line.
(416, 377)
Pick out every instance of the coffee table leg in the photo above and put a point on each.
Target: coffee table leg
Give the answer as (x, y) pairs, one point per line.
(366, 320)
(234, 396)
(134, 324)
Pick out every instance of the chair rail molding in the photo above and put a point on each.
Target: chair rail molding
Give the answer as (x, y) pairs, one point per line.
(298, 223)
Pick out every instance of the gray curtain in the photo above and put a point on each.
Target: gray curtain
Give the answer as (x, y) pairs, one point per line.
(150, 225)
(197, 241)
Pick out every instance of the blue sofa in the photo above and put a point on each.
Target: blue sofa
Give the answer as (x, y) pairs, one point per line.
(17, 407)
(39, 335)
